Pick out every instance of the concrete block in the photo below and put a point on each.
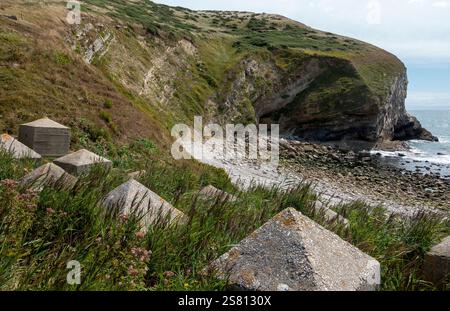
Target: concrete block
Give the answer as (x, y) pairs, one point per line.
(293, 253)
(46, 136)
(81, 162)
(437, 263)
(211, 192)
(46, 175)
(17, 149)
(133, 197)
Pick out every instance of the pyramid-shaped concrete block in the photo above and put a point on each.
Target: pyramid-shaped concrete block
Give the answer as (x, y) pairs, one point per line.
(211, 192)
(437, 263)
(329, 215)
(81, 162)
(46, 137)
(293, 253)
(133, 197)
(137, 174)
(17, 149)
(46, 175)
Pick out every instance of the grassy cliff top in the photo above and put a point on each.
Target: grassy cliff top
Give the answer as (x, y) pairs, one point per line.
(250, 31)
(42, 70)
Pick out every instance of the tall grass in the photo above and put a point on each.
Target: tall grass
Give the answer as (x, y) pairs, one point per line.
(399, 244)
(41, 232)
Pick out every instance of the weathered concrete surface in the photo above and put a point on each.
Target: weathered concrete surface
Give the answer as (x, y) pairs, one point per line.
(437, 263)
(81, 162)
(17, 149)
(137, 174)
(48, 174)
(132, 196)
(46, 136)
(329, 214)
(211, 192)
(291, 252)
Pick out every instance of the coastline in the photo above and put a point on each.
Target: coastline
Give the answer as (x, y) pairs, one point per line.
(363, 173)
(340, 177)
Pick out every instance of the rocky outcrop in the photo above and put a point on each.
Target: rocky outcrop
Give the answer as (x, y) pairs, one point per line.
(252, 68)
(315, 103)
(396, 123)
(408, 128)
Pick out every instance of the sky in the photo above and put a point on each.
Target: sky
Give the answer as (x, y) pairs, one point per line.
(417, 31)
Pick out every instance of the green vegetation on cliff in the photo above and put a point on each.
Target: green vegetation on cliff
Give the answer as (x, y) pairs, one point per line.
(160, 65)
(156, 66)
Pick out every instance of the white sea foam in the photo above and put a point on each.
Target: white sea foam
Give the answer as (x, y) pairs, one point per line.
(444, 140)
(415, 154)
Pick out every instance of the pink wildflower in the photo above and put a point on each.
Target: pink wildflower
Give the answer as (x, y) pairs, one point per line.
(124, 217)
(140, 235)
(141, 253)
(31, 206)
(9, 183)
(50, 211)
(133, 271)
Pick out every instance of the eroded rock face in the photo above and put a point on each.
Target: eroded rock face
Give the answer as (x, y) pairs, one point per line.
(325, 100)
(408, 128)
(291, 252)
(396, 123)
(321, 95)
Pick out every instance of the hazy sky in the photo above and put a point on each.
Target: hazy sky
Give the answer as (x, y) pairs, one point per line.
(417, 31)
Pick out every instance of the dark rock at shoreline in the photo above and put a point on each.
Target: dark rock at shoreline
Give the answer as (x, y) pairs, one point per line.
(409, 128)
(369, 173)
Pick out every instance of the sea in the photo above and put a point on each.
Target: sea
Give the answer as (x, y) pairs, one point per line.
(423, 156)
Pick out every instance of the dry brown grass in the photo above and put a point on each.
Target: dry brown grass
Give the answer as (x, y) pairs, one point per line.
(36, 85)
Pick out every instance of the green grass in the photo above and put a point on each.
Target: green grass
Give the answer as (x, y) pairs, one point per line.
(62, 59)
(108, 104)
(40, 233)
(106, 116)
(398, 244)
(338, 90)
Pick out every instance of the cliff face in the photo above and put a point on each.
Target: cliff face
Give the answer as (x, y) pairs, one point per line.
(395, 122)
(325, 99)
(168, 65)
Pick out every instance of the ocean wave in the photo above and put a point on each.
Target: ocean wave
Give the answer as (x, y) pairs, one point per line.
(444, 140)
(415, 155)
